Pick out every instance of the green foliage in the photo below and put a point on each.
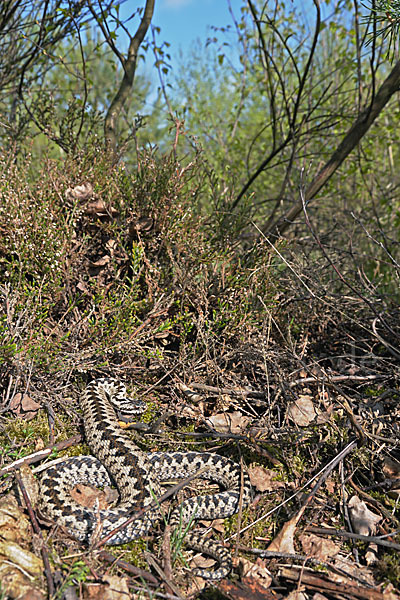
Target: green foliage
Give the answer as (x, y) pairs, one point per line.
(389, 568)
(76, 574)
(252, 106)
(65, 264)
(68, 103)
(164, 264)
(386, 16)
(19, 432)
(240, 111)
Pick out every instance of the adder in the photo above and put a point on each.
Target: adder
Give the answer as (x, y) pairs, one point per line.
(137, 476)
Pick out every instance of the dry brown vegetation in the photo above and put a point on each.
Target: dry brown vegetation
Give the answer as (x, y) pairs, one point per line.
(274, 355)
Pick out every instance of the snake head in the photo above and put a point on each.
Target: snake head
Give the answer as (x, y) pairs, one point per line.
(127, 409)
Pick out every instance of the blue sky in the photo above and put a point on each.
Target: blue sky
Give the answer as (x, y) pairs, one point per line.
(182, 21)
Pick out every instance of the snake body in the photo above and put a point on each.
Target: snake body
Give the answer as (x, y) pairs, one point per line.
(137, 476)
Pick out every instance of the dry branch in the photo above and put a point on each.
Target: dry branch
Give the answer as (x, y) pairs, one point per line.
(41, 454)
(321, 583)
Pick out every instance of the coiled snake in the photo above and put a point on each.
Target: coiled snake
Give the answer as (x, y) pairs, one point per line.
(137, 476)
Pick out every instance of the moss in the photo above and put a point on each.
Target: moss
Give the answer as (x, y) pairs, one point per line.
(151, 412)
(133, 552)
(389, 568)
(19, 437)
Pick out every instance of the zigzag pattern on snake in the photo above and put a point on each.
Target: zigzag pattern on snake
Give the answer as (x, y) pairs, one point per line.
(137, 476)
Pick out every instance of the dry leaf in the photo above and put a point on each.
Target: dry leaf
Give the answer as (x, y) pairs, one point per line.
(14, 525)
(391, 468)
(192, 412)
(39, 444)
(352, 569)
(14, 553)
(330, 486)
(302, 412)
(203, 562)
(97, 207)
(264, 479)
(363, 520)
(325, 416)
(16, 584)
(82, 287)
(283, 542)
(101, 262)
(194, 396)
(144, 224)
(318, 547)
(31, 486)
(100, 209)
(80, 192)
(116, 588)
(371, 555)
(297, 595)
(162, 334)
(390, 593)
(23, 406)
(216, 524)
(228, 422)
(112, 246)
(257, 570)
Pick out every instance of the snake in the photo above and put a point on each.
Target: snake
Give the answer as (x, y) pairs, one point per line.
(137, 475)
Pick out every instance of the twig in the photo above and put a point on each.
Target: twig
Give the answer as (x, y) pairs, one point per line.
(234, 437)
(353, 536)
(166, 552)
(328, 469)
(343, 279)
(168, 583)
(228, 391)
(122, 564)
(51, 421)
(351, 139)
(245, 438)
(304, 558)
(37, 456)
(393, 351)
(375, 502)
(338, 589)
(143, 592)
(129, 66)
(157, 383)
(336, 378)
(36, 528)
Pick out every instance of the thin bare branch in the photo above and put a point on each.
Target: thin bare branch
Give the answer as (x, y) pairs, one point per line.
(390, 86)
